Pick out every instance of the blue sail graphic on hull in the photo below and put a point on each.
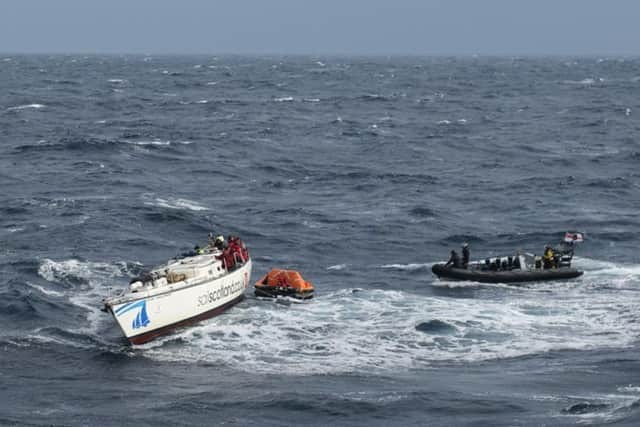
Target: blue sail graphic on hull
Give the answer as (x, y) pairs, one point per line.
(142, 318)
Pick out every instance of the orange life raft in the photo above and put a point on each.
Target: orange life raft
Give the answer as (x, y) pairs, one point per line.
(283, 283)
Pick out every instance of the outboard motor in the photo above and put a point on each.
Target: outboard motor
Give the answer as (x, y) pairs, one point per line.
(565, 260)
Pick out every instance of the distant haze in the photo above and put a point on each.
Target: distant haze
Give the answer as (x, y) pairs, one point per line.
(369, 27)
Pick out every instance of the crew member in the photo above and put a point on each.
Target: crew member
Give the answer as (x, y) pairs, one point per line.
(454, 260)
(548, 258)
(465, 255)
(198, 250)
(219, 243)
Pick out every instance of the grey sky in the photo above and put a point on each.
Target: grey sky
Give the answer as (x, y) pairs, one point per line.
(428, 27)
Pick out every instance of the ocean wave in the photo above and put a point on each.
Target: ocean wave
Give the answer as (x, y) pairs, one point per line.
(284, 99)
(406, 267)
(150, 142)
(176, 203)
(378, 330)
(74, 273)
(584, 82)
(26, 107)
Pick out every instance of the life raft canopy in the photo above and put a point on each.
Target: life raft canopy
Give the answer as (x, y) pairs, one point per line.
(279, 282)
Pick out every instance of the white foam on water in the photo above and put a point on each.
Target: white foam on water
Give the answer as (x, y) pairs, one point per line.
(337, 267)
(586, 81)
(45, 291)
(284, 99)
(352, 330)
(95, 282)
(176, 203)
(25, 107)
(14, 229)
(311, 100)
(152, 142)
(444, 122)
(629, 389)
(375, 330)
(212, 83)
(202, 101)
(409, 267)
(615, 407)
(118, 81)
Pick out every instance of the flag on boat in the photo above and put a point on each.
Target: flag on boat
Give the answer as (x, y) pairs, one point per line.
(570, 237)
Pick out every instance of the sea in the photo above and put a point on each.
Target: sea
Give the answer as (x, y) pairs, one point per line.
(359, 172)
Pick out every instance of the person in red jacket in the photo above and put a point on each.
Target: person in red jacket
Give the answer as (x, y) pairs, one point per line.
(242, 249)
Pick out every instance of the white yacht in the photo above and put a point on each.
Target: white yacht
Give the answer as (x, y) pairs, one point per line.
(179, 293)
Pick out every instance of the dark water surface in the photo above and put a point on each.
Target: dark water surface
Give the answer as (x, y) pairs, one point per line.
(359, 172)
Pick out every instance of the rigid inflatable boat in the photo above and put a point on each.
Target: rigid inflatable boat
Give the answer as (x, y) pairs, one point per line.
(517, 268)
(479, 274)
(285, 283)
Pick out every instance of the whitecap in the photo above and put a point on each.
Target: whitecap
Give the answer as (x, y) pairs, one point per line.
(337, 267)
(284, 99)
(45, 291)
(444, 122)
(176, 203)
(85, 283)
(586, 82)
(116, 81)
(24, 107)
(152, 142)
(15, 229)
(311, 100)
(409, 267)
(345, 331)
(202, 101)
(211, 83)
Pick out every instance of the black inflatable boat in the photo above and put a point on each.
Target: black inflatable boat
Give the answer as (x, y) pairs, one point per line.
(477, 274)
(514, 269)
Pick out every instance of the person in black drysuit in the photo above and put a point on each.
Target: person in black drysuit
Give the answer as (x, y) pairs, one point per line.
(454, 260)
(465, 255)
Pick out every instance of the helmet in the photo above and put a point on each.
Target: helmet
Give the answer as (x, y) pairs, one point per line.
(220, 239)
(465, 245)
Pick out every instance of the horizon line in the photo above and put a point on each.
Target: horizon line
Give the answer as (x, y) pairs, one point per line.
(329, 54)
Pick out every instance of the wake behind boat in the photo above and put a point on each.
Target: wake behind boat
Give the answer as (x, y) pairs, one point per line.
(182, 291)
(555, 264)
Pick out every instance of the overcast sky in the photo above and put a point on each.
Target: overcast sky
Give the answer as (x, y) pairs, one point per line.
(425, 27)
